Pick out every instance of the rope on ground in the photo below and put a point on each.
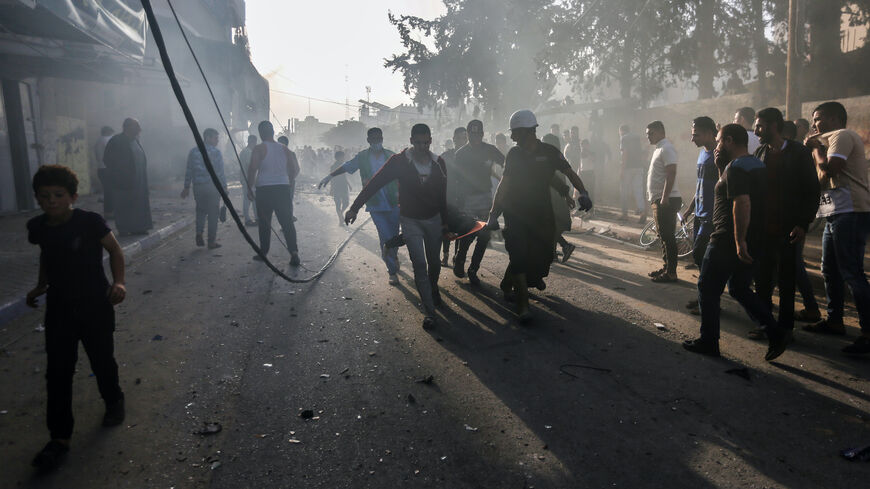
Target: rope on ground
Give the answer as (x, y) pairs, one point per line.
(200, 144)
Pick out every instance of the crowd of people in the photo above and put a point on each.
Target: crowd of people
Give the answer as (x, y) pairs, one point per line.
(761, 182)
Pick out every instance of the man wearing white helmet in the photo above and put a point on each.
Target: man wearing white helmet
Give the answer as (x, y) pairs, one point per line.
(523, 196)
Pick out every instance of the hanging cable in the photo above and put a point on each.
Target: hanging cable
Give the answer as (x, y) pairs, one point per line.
(191, 121)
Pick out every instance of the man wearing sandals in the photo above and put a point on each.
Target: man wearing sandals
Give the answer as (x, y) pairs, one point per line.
(664, 198)
(845, 204)
(738, 228)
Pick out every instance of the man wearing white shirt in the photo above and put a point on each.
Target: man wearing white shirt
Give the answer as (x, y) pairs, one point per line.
(664, 198)
(745, 116)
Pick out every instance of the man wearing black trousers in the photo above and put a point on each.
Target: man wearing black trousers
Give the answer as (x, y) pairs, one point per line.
(792, 201)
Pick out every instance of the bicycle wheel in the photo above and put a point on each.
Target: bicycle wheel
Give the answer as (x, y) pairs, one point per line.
(649, 235)
(685, 237)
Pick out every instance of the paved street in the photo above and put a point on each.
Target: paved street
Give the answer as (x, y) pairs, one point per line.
(591, 394)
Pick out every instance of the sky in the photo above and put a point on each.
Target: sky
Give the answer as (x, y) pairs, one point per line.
(308, 47)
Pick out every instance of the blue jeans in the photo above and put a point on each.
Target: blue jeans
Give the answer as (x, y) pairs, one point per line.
(720, 267)
(387, 223)
(843, 262)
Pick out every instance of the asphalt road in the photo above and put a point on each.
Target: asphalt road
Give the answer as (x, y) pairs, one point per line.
(592, 394)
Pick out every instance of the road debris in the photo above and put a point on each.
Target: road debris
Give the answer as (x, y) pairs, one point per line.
(860, 454)
(660, 326)
(306, 414)
(426, 380)
(471, 428)
(157, 337)
(210, 428)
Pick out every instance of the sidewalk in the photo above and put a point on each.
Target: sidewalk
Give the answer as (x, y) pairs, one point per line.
(19, 260)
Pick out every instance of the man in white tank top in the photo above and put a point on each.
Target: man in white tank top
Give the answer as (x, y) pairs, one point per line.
(271, 175)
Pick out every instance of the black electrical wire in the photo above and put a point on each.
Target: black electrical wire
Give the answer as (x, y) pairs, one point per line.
(220, 114)
(200, 144)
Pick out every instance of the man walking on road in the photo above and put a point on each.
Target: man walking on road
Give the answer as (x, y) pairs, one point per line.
(738, 220)
(245, 156)
(704, 137)
(207, 198)
(664, 198)
(460, 139)
(523, 196)
(845, 204)
(272, 171)
(792, 202)
(383, 205)
(475, 166)
(422, 181)
(128, 171)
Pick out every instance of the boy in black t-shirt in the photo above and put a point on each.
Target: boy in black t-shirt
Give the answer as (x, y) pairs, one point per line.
(79, 303)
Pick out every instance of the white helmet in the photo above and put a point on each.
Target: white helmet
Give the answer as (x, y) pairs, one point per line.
(523, 118)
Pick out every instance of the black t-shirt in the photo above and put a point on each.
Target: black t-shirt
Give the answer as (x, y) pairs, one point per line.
(473, 168)
(743, 176)
(530, 174)
(72, 258)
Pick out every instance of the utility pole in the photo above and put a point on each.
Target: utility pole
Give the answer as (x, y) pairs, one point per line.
(793, 64)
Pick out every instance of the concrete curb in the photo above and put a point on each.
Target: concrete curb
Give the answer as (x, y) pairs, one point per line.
(18, 307)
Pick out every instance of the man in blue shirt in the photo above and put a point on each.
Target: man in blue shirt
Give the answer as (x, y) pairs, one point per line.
(704, 137)
(384, 206)
(205, 194)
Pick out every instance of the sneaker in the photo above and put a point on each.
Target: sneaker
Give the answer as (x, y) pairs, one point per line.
(394, 279)
(294, 260)
(51, 455)
(199, 240)
(704, 347)
(656, 273)
(114, 413)
(566, 252)
(826, 327)
(473, 279)
(861, 346)
(808, 316)
(214, 245)
(428, 322)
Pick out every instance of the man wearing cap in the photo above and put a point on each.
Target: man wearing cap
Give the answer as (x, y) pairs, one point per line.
(475, 165)
(523, 196)
(384, 204)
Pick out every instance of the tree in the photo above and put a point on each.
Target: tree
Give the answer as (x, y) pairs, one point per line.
(489, 51)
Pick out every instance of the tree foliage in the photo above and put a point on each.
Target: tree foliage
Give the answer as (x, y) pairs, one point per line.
(509, 53)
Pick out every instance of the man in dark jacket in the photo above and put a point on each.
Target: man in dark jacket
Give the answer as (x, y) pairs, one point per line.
(128, 172)
(792, 201)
